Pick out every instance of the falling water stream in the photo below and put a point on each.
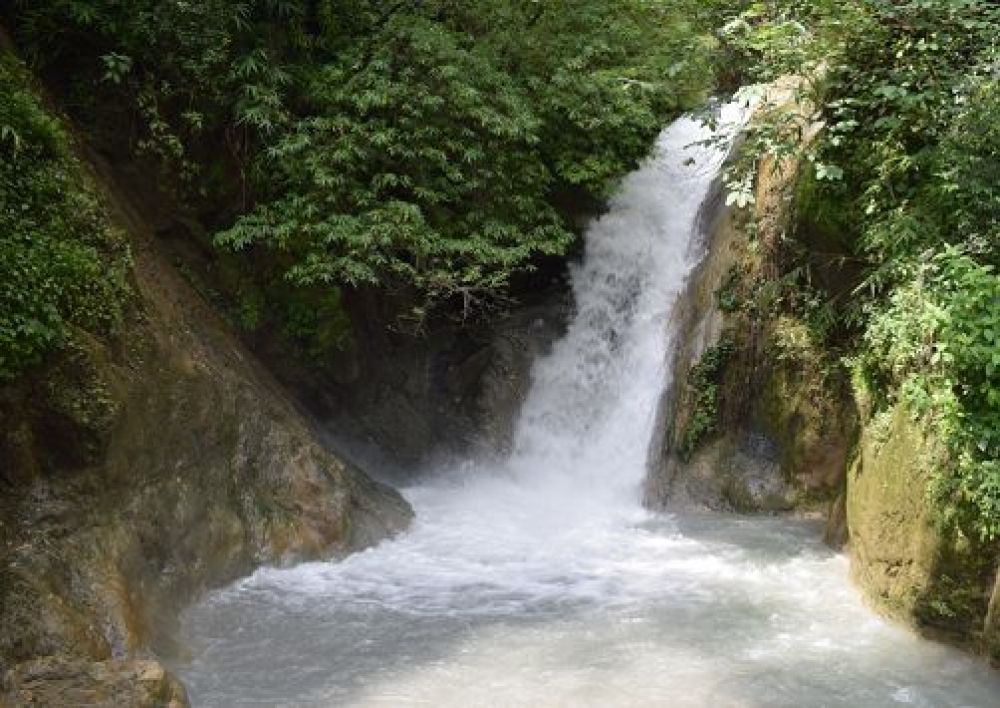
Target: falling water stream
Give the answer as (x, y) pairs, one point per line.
(541, 580)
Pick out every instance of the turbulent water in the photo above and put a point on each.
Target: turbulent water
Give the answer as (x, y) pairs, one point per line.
(541, 581)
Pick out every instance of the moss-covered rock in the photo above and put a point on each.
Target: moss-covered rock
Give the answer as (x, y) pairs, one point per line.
(793, 433)
(144, 479)
(782, 420)
(140, 469)
(910, 565)
(779, 423)
(804, 406)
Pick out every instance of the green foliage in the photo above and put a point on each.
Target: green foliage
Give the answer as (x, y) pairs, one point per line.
(421, 147)
(727, 297)
(315, 319)
(965, 191)
(703, 383)
(61, 266)
(193, 77)
(431, 149)
(938, 346)
(416, 169)
(602, 76)
(907, 169)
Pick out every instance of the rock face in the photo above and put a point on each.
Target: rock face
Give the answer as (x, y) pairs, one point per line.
(790, 434)
(490, 384)
(781, 427)
(103, 684)
(453, 392)
(768, 429)
(136, 474)
(913, 569)
(991, 626)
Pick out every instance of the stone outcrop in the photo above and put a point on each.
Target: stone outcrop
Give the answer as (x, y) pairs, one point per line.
(454, 391)
(102, 684)
(781, 427)
(139, 472)
(790, 434)
(909, 565)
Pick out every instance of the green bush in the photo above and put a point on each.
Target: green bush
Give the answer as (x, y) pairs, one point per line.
(703, 383)
(61, 265)
(433, 148)
(937, 345)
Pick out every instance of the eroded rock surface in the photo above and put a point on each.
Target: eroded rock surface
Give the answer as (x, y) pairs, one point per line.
(139, 472)
(455, 392)
(780, 426)
(782, 429)
(102, 684)
(791, 434)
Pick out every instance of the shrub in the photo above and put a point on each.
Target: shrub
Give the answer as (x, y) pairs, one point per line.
(61, 264)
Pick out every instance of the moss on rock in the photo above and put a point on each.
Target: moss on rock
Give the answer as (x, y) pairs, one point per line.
(912, 567)
(771, 428)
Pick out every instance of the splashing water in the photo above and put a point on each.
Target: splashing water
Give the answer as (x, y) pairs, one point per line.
(542, 581)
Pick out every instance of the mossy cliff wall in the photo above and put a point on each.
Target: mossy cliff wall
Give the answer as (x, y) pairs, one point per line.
(910, 565)
(141, 469)
(780, 423)
(756, 418)
(787, 431)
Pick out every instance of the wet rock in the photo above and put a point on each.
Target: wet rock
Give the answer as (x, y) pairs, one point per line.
(75, 411)
(991, 631)
(791, 434)
(501, 385)
(837, 533)
(911, 567)
(738, 472)
(55, 681)
(782, 425)
(453, 392)
(782, 429)
(140, 472)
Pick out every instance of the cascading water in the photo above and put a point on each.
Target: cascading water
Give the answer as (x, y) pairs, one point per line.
(542, 581)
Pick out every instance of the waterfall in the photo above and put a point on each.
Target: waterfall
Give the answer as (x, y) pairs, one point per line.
(589, 415)
(541, 579)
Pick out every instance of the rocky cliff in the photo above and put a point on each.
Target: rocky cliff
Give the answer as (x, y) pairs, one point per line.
(755, 422)
(763, 418)
(139, 470)
(756, 419)
(410, 399)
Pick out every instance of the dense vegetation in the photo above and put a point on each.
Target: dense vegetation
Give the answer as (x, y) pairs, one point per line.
(907, 183)
(61, 267)
(435, 148)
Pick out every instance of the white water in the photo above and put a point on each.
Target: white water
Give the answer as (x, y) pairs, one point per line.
(542, 581)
